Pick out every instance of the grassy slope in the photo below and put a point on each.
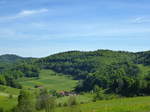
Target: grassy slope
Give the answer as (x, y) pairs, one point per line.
(137, 104)
(85, 98)
(6, 102)
(8, 90)
(50, 80)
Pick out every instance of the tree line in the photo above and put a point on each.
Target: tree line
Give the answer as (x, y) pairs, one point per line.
(10, 75)
(116, 71)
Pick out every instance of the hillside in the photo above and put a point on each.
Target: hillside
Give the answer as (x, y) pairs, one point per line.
(78, 63)
(93, 76)
(50, 80)
(10, 58)
(105, 68)
(137, 104)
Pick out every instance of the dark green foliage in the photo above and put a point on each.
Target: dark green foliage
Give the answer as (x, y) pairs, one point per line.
(116, 71)
(143, 58)
(29, 70)
(10, 58)
(120, 78)
(9, 76)
(79, 64)
(1, 109)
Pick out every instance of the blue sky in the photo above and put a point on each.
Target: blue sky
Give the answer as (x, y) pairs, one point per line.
(39, 28)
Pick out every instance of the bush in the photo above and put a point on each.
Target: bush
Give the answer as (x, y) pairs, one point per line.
(99, 94)
(72, 101)
(65, 104)
(10, 96)
(59, 105)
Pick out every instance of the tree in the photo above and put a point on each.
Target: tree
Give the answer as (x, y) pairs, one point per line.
(2, 80)
(99, 93)
(25, 102)
(45, 101)
(50, 104)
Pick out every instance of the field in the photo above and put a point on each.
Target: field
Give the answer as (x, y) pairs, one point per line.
(52, 80)
(49, 80)
(7, 102)
(136, 104)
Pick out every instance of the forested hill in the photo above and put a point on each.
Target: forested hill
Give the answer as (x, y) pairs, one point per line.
(78, 63)
(9, 58)
(119, 72)
(12, 58)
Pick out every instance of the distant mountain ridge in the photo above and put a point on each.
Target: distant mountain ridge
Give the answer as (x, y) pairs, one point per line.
(12, 58)
(8, 61)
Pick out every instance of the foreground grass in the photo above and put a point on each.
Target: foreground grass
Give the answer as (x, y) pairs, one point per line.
(7, 103)
(137, 104)
(84, 98)
(50, 80)
(8, 90)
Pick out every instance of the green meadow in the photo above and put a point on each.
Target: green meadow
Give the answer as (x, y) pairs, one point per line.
(7, 102)
(136, 104)
(50, 80)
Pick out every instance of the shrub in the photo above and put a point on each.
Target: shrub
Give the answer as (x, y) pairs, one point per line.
(72, 101)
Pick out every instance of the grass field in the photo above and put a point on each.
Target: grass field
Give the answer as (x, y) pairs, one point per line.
(8, 90)
(52, 80)
(49, 80)
(6, 102)
(85, 98)
(137, 104)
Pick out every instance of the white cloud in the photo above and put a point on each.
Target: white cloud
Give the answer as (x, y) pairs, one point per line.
(24, 13)
(141, 20)
(30, 12)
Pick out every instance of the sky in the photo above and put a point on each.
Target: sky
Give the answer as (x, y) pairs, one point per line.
(38, 28)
